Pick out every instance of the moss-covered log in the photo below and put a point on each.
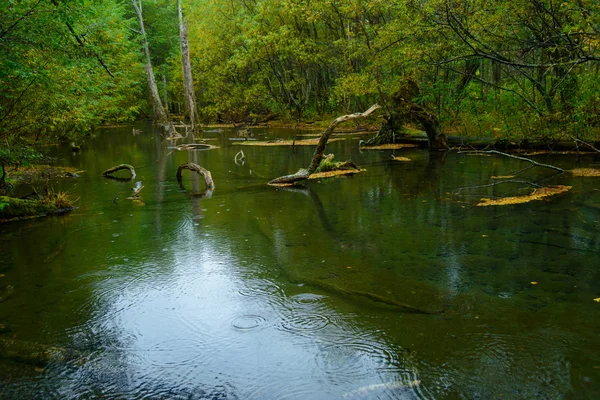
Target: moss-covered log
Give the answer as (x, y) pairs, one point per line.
(11, 207)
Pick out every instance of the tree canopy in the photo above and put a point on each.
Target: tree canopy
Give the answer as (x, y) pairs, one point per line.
(506, 68)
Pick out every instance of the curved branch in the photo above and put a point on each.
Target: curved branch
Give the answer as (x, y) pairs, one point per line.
(210, 185)
(118, 168)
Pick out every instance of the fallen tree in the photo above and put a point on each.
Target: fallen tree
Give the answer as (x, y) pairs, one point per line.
(303, 173)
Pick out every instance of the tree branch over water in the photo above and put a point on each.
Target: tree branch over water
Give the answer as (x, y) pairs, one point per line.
(537, 164)
(318, 155)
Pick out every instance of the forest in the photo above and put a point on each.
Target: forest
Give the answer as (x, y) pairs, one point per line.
(298, 199)
(512, 70)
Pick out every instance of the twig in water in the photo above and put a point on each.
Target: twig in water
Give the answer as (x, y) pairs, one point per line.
(522, 159)
(457, 191)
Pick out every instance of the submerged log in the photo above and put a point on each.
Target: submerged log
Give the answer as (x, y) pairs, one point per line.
(6, 292)
(34, 353)
(210, 185)
(118, 168)
(318, 155)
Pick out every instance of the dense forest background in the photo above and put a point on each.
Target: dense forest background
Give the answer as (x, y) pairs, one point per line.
(508, 69)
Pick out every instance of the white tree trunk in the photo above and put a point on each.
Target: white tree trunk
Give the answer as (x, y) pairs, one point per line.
(188, 83)
(160, 115)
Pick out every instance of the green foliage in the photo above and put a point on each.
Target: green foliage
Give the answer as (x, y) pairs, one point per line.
(505, 69)
(64, 67)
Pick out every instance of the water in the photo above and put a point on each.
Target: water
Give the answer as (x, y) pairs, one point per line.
(265, 293)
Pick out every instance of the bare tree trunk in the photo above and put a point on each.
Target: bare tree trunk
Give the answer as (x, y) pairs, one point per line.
(188, 83)
(160, 115)
(165, 100)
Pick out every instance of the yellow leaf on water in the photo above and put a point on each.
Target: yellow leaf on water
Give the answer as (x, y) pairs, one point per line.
(537, 194)
(597, 300)
(348, 267)
(534, 283)
(484, 235)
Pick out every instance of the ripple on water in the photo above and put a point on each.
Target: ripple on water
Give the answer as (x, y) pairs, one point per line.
(281, 388)
(247, 322)
(174, 352)
(263, 289)
(303, 323)
(345, 362)
(520, 365)
(307, 298)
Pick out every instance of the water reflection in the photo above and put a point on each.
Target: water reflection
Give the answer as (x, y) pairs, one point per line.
(263, 293)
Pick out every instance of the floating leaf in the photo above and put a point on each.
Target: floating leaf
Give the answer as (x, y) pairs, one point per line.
(391, 146)
(597, 300)
(401, 159)
(329, 174)
(502, 177)
(534, 283)
(537, 194)
(303, 142)
(585, 172)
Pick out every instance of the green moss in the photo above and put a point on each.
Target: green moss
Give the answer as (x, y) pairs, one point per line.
(327, 164)
(11, 207)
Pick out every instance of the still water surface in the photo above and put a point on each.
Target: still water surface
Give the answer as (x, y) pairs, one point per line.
(265, 293)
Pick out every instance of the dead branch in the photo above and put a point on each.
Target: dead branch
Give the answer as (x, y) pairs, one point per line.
(210, 185)
(537, 164)
(136, 191)
(318, 155)
(239, 158)
(586, 143)
(457, 191)
(118, 168)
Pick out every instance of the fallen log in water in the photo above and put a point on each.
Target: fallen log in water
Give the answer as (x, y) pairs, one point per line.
(388, 302)
(6, 292)
(118, 168)
(318, 155)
